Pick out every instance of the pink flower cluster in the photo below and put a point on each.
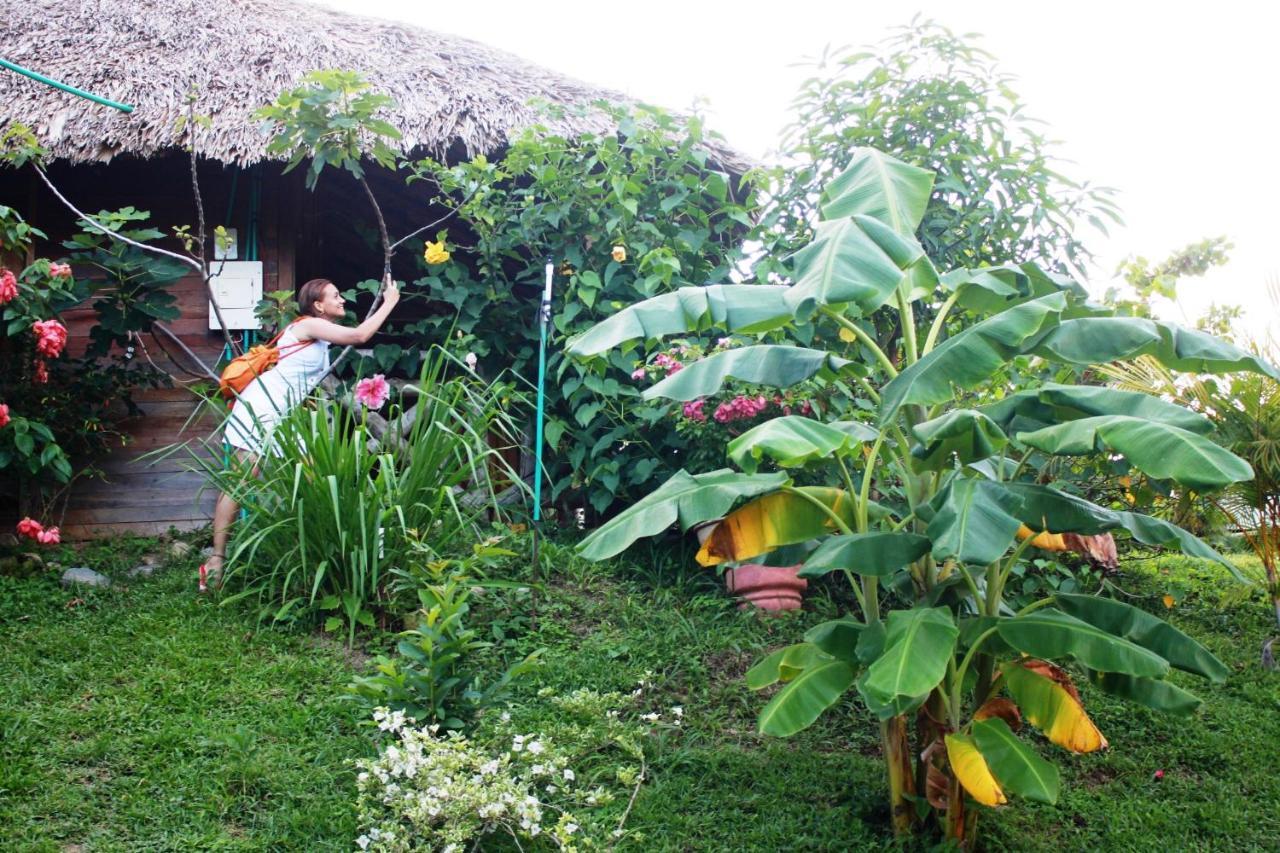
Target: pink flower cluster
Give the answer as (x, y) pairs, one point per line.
(4, 415)
(668, 363)
(51, 337)
(740, 408)
(34, 530)
(60, 270)
(693, 411)
(373, 392)
(8, 286)
(41, 372)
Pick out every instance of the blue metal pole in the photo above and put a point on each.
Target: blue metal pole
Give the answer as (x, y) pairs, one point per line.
(544, 318)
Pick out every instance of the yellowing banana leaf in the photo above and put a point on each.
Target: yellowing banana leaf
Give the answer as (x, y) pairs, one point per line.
(1054, 404)
(735, 307)
(1157, 449)
(878, 553)
(856, 261)
(1044, 540)
(1054, 635)
(793, 440)
(1050, 702)
(688, 499)
(764, 364)
(805, 697)
(972, 356)
(1148, 631)
(918, 645)
(965, 434)
(972, 771)
(875, 184)
(772, 521)
(1015, 765)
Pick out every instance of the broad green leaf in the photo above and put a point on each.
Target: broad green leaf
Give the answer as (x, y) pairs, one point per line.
(1148, 631)
(1054, 635)
(782, 518)
(685, 498)
(877, 185)
(1014, 764)
(918, 644)
(1046, 508)
(1049, 701)
(964, 433)
(972, 356)
(767, 671)
(990, 289)
(856, 261)
(1154, 693)
(793, 440)
(1054, 404)
(1156, 449)
(838, 638)
(1093, 340)
(877, 554)
(736, 307)
(805, 697)
(972, 771)
(763, 364)
(800, 657)
(973, 520)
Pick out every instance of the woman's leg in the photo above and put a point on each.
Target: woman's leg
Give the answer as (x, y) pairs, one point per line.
(224, 514)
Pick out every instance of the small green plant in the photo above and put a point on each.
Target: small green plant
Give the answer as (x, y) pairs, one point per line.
(436, 677)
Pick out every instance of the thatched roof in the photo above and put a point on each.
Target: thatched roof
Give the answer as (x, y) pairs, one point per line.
(240, 54)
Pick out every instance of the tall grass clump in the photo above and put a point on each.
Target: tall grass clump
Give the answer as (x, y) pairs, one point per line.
(335, 507)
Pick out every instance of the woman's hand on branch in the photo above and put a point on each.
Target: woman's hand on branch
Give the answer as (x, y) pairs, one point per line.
(390, 293)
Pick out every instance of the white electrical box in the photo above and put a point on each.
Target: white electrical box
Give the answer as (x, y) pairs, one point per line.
(237, 285)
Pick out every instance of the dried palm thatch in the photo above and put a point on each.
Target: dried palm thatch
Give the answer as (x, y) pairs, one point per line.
(240, 54)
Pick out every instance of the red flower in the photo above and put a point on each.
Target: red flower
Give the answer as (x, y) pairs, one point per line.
(51, 337)
(51, 536)
(42, 372)
(60, 270)
(373, 392)
(4, 415)
(8, 286)
(30, 528)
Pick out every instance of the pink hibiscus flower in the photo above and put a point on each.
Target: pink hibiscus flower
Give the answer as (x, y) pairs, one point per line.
(30, 528)
(373, 392)
(49, 536)
(51, 337)
(8, 286)
(4, 415)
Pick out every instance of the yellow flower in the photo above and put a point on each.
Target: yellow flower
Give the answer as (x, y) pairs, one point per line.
(619, 253)
(435, 253)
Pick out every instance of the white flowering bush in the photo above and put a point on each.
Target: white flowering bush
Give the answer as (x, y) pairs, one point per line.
(568, 787)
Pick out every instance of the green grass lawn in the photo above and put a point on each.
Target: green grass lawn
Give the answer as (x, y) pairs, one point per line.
(145, 718)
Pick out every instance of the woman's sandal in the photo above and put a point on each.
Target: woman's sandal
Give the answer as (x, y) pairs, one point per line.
(205, 574)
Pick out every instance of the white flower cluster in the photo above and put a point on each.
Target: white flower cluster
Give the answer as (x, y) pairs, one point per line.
(438, 791)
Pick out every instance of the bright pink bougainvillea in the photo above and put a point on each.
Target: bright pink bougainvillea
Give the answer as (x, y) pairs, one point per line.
(8, 286)
(51, 337)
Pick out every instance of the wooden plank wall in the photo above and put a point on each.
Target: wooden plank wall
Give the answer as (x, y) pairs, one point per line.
(136, 493)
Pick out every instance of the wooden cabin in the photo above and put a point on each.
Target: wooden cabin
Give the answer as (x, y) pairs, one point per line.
(454, 98)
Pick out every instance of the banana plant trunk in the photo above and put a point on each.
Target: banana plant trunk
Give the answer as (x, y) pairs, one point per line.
(962, 823)
(902, 782)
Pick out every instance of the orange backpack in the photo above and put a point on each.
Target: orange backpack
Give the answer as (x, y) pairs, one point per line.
(245, 368)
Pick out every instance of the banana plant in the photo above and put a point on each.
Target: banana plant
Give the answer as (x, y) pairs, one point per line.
(933, 503)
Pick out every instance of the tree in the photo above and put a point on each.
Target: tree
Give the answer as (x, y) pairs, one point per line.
(934, 501)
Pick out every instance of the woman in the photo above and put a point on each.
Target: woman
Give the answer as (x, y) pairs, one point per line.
(304, 359)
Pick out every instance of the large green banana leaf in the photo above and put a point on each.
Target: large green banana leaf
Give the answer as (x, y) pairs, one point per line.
(763, 364)
(964, 433)
(877, 185)
(793, 440)
(1094, 340)
(838, 638)
(1053, 404)
(735, 307)
(879, 554)
(1148, 631)
(971, 519)
(1015, 765)
(987, 290)
(1046, 508)
(857, 261)
(918, 645)
(685, 498)
(1154, 448)
(1152, 692)
(1053, 635)
(972, 356)
(803, 699)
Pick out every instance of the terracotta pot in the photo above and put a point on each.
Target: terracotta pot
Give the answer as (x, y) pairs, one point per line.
(771, 588)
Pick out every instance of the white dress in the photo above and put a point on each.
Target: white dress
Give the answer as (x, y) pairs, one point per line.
(269, 398)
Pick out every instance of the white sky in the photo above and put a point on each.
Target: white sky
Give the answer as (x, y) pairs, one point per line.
(1174, 104)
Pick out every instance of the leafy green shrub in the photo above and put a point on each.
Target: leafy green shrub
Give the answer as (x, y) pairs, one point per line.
(435, 679)
(327, 519)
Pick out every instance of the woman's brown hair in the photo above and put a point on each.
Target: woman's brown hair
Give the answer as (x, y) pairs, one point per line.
(311, 293)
